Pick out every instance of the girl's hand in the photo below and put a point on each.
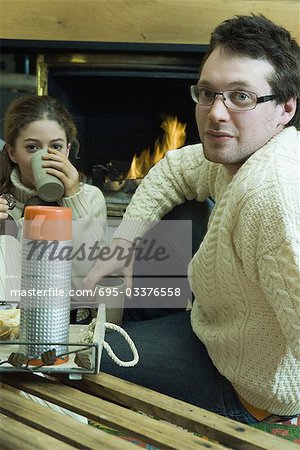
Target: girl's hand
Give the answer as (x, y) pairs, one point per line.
(59, 165)
(3, 208)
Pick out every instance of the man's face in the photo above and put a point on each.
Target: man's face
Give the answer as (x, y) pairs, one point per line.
(230, 137)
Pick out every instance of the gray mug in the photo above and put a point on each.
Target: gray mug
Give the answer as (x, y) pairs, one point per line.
(49, 187)
(111, 292)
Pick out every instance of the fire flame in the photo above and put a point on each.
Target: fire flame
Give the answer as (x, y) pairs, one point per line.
(174, 137)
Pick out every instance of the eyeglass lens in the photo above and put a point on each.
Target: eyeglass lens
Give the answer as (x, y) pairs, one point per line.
(238, 100)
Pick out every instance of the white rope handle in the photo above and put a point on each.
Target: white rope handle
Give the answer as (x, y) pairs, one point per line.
(130, 342)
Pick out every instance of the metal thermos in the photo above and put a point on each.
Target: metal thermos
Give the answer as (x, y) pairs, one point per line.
(45, 280)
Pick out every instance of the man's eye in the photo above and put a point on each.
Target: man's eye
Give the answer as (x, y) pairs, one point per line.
(206, 93)
(241, 96)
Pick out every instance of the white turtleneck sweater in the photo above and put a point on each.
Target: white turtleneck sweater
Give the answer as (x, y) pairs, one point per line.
(245, 275)
(89, 227)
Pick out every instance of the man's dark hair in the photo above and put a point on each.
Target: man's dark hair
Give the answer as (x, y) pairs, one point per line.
(257, 37)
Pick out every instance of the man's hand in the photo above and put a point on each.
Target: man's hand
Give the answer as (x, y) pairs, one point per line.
(118, 261)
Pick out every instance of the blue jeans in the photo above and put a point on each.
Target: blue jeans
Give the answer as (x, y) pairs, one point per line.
(175, 362)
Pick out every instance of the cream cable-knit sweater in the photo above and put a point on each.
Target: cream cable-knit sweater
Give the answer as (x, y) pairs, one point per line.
(245, 275)
(89, 227)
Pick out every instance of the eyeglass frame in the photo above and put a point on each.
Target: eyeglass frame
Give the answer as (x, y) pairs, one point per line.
(261, 99)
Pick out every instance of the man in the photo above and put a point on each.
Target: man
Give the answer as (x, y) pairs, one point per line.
(241, 358)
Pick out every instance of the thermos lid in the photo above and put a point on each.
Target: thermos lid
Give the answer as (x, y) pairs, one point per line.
(48, 223)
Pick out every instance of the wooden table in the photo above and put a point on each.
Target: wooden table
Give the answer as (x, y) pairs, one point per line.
(117, 404)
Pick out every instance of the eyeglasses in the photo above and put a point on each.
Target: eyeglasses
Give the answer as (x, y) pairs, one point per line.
(235, 100)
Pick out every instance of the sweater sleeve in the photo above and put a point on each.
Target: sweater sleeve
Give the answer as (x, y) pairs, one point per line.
(181, 174)
(88, 201)
(89, 211)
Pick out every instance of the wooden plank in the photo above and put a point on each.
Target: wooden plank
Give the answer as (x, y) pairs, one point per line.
(141, 21)
(160, 434)
(228, 432)
(53, 424)
(16, 435)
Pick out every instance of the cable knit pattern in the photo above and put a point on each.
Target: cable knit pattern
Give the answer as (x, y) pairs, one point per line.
(163, 189)
(245, 275)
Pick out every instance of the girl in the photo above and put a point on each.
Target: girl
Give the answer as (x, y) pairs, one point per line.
(32, 123)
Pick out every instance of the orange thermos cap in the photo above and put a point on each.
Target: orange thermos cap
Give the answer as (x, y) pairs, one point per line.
(48, 223)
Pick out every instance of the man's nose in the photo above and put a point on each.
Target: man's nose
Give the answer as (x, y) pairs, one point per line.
(218, 110)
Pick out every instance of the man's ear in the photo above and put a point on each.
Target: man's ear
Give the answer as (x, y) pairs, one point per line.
(11, 153)
(288, 111)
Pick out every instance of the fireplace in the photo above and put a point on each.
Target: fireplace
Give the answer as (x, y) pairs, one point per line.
(120, 99)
